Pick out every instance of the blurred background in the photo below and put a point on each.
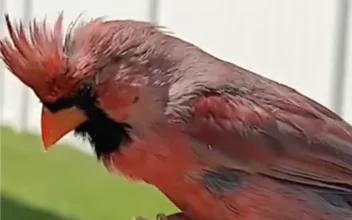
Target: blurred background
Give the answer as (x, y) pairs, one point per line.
(306, 44)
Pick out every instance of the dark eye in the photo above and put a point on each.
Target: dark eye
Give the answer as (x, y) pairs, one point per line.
(84, 97)
(85, 90)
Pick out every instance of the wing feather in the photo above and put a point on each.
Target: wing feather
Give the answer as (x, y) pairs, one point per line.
(285, 136)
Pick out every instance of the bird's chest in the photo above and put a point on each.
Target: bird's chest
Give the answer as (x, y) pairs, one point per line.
(169, 164)
(154, 158)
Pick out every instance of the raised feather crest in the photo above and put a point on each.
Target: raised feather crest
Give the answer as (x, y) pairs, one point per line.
(34, 56)
(37, 55)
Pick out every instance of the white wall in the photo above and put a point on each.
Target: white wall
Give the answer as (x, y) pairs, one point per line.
(291, 41)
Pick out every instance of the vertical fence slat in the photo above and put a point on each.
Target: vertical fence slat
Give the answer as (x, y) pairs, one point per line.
(154, 11)
(2, 68)
(340, 56)
(27, 14)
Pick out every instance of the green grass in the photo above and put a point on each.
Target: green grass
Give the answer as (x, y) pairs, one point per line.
(64, 184)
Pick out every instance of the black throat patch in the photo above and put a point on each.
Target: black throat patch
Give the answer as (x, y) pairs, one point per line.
(104, 134)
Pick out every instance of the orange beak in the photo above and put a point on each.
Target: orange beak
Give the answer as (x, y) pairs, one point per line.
(56, 125)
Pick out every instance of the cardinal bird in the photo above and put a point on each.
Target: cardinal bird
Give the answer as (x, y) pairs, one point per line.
(221, 142)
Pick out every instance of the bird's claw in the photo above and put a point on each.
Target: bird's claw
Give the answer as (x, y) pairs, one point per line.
(139, 218)
(161, 217)
(158, 217)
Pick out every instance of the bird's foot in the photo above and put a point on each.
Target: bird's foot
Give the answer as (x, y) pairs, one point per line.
(178, 216)
(158, 217)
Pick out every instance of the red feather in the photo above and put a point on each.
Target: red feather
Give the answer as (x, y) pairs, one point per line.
(35, 57)
(289, 141)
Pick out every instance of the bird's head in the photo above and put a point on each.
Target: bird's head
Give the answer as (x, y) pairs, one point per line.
(99, 78)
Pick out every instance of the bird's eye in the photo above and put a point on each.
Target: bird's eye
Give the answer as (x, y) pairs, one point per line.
(85, 97)
(85, 90)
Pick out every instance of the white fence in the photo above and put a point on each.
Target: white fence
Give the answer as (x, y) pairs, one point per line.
(302, 43)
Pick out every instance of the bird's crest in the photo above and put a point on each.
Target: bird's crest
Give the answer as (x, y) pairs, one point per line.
(34, 56)
(38, 55)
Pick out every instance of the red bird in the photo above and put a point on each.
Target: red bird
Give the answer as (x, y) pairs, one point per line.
(221, 142)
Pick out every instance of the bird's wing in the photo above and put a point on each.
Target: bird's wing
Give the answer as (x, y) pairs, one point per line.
(285, 136)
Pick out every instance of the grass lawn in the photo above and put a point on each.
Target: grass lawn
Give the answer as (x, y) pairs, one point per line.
(64, 184)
